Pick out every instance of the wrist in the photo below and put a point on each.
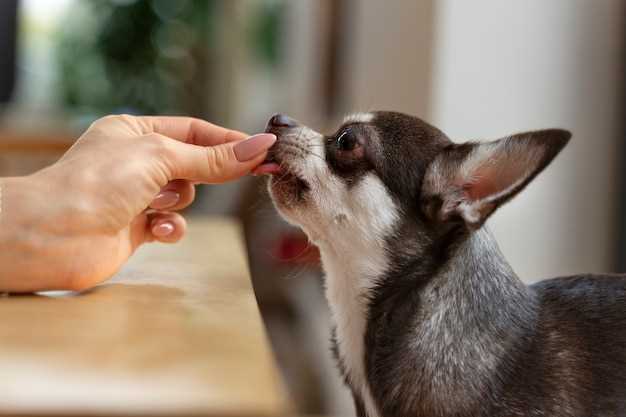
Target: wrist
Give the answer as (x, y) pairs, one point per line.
(23, 265)
(12, 200)
(15, 246)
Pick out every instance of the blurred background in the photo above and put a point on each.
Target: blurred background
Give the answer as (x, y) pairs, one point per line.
(475, 69)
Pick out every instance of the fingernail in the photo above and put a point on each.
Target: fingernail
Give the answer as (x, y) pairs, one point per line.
(253, 146)
(165, 199)
(163, 229)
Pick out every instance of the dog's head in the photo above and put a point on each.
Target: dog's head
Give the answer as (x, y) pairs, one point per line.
(382, 169)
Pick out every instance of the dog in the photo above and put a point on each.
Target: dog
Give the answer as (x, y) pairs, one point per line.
(429, 318)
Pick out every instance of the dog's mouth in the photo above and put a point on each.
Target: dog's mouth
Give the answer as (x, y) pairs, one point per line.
(285, 183)
(271, 165)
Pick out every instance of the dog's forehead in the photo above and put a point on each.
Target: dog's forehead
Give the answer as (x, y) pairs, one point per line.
(406, 146)
(398, 127)
(404, 128)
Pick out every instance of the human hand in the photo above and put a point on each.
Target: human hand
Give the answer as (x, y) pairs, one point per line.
(75, 223)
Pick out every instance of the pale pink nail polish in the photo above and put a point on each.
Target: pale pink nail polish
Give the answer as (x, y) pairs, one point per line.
(253, 146)
(163, 229)
(165, 199)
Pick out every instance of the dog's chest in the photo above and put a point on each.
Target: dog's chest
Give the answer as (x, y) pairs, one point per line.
(347, 296)
(348, 315)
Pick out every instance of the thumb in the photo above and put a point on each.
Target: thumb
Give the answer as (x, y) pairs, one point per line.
(221, 163)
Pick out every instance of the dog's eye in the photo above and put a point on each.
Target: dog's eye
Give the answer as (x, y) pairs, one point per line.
(347, 141)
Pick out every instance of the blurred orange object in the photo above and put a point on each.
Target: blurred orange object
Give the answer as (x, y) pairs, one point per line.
(295, 248)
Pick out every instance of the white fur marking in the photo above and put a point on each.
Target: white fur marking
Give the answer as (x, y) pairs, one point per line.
(358, 118)
(353, 257)
(349, 226)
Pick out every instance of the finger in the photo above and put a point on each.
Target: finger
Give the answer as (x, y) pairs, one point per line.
(176, 195)
(189, 130)
(217, 164)
(137, 235)
(166, 227)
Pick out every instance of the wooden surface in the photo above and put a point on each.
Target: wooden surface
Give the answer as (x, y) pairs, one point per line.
(23, 153)
(177, 332)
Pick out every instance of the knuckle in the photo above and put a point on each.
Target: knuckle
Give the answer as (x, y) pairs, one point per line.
(111, 118)
(223, 156)
(155, 144)
(217, 158)
(163, 150)
(99, 124)
(106, 122)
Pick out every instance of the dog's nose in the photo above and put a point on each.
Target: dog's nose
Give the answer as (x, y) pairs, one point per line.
(280, 120)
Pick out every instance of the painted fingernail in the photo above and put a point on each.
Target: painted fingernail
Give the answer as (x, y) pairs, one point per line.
(253, 146)
(163, 229)
(165, 199)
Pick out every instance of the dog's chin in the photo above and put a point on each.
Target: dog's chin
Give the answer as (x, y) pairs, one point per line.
(288, 190)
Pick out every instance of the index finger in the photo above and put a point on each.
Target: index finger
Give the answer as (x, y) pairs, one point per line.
(190, 130)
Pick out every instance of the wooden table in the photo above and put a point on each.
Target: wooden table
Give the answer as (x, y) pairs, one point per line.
(176, 332)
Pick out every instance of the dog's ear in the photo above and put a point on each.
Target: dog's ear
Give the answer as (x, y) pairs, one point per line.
(468, 182)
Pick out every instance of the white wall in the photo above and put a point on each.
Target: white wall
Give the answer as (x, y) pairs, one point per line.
(506, 66)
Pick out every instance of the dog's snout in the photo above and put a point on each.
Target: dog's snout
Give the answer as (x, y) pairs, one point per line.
(280, 120)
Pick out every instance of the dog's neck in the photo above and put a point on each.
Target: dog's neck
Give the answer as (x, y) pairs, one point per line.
(475, 282)
(475, 295)
(469, 322)
(472, 310)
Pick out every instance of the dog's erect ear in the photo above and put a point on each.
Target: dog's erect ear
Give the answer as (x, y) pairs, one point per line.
(469, 181)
